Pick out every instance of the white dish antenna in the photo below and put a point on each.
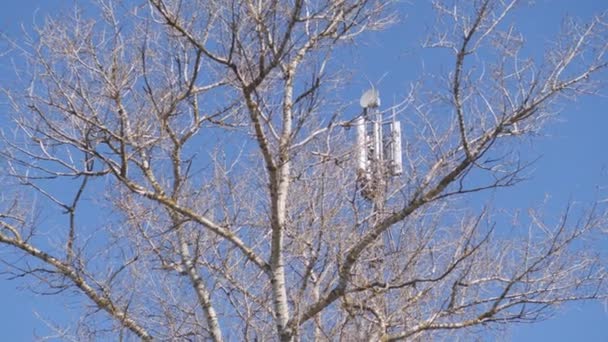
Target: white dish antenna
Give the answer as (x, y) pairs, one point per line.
(370, 99)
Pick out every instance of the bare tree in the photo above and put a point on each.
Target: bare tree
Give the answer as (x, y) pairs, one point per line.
(194, 168)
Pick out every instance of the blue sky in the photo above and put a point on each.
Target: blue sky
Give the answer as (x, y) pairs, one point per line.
(574, 160)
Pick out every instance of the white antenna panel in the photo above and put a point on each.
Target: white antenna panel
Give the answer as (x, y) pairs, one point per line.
(397, 162)
(362, 162)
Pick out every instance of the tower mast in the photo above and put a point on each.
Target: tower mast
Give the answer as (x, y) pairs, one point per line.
(378, 156)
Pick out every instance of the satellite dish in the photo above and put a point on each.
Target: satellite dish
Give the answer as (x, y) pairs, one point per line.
(370, 99)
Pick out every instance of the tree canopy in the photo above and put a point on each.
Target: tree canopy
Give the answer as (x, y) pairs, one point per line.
(189, 170)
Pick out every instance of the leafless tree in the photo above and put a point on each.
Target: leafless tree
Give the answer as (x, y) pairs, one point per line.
(186, 168)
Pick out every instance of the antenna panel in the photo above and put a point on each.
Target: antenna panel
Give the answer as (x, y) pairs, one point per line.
(396, 160)
(362, 161)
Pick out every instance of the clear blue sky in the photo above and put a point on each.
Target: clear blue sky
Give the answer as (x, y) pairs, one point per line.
(574, 157)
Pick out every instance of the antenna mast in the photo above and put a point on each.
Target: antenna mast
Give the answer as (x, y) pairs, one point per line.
(378, 156)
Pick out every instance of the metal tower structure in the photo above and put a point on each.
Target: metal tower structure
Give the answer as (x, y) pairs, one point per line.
(378, 154)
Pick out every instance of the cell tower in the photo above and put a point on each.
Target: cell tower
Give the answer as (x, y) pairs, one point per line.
(378, 155)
